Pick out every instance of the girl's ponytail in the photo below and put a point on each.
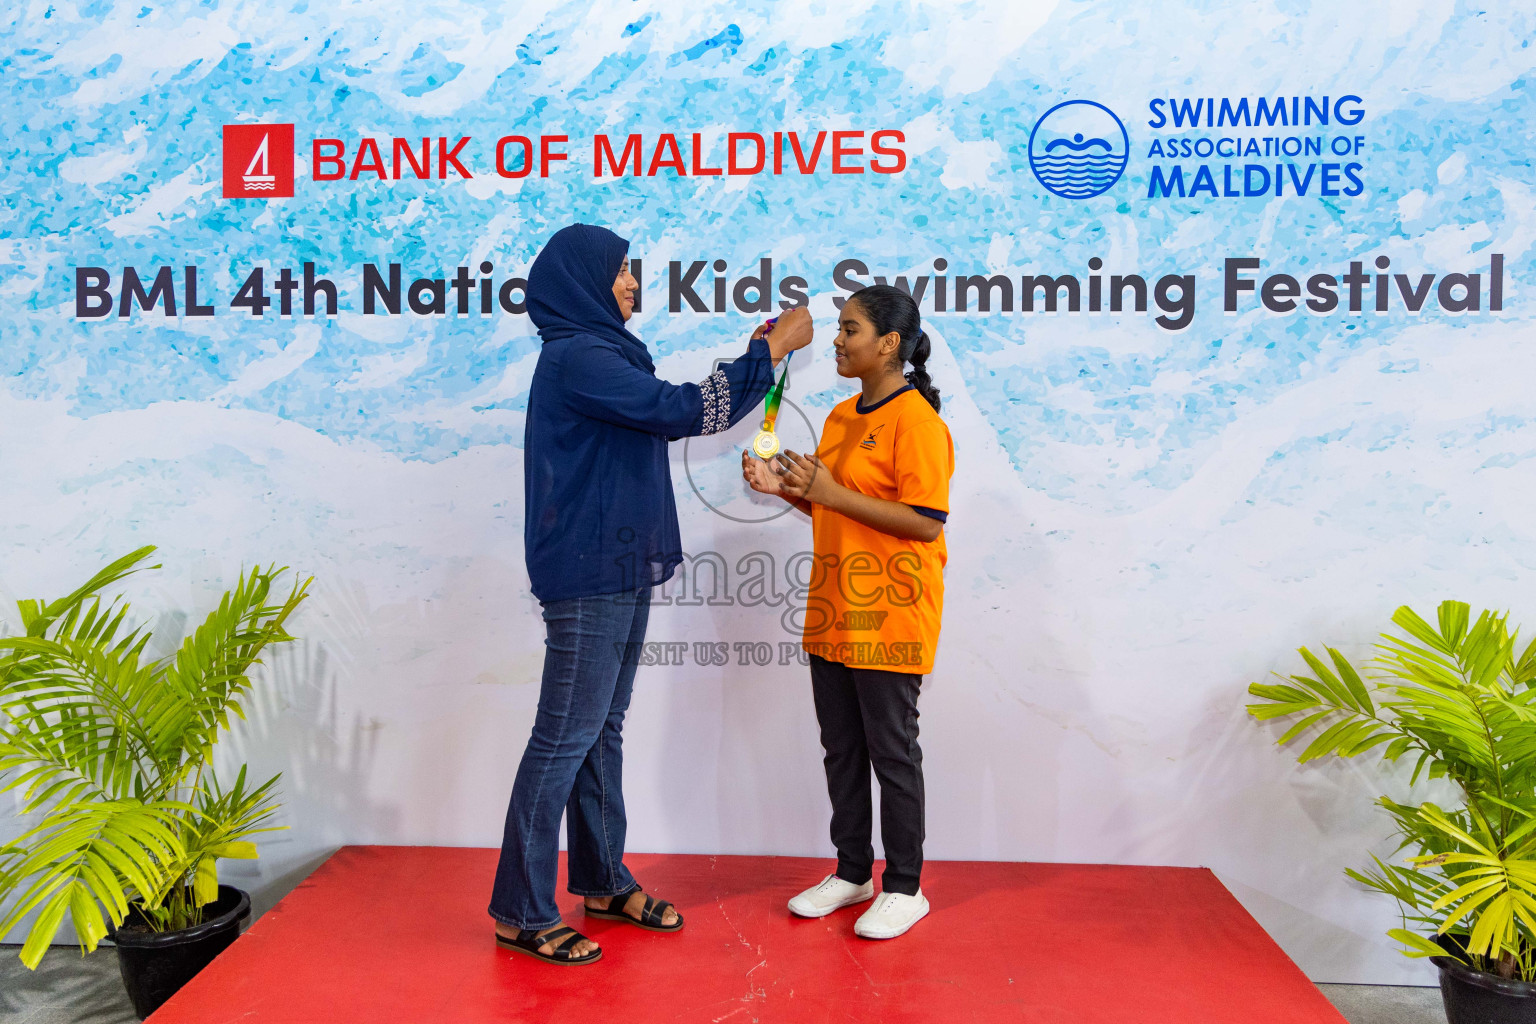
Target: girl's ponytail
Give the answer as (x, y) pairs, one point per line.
(918, 375)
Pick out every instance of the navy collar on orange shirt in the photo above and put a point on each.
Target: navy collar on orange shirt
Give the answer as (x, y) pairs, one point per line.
(862, 409)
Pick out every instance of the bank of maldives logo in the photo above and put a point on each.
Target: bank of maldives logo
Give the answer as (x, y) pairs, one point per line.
(1078, 149)
(258, 161)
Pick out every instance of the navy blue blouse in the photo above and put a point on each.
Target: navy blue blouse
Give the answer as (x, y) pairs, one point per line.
(600, 514)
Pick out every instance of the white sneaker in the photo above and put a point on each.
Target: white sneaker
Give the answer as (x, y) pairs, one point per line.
(831, 893)
(892, 914)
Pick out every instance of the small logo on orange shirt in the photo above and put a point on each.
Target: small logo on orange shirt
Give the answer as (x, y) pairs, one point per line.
(869, 442)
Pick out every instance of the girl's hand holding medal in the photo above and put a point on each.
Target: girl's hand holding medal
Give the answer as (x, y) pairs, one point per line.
(759, 474)
(807, 478)
(792, 476)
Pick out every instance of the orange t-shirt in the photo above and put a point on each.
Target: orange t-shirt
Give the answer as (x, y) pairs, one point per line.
(875, 601)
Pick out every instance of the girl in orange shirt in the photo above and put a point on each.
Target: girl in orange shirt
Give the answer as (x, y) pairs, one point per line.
(877, 491)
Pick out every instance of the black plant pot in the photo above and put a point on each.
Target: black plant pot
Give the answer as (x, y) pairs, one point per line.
(155, 965)
(1475, 997)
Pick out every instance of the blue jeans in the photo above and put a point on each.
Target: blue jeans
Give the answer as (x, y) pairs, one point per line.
(574, 761)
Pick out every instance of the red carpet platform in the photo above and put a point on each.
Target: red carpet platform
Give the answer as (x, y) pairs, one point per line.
(386, 934)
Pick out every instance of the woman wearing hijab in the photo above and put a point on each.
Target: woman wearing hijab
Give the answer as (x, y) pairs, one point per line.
(600, 530)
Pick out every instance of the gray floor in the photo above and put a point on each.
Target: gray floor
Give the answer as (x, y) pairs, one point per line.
(69, 989)
(1379, 1004)
(65, 989)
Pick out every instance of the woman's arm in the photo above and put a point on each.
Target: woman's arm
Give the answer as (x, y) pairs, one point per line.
(600, 382)
(807, 479)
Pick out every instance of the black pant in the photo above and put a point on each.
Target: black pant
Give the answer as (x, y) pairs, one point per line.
(869, 717)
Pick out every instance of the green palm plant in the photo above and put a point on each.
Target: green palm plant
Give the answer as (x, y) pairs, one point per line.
(1460, 701)
(113, 750)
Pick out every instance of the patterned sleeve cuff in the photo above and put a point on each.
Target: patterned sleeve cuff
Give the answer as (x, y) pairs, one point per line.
(716, 391)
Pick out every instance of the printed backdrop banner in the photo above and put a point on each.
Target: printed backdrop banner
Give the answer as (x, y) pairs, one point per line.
(1228, 309)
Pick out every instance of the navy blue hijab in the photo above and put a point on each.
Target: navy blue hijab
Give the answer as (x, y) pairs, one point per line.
(570, 289)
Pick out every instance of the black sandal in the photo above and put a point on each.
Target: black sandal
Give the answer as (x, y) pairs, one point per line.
(529, 940)
(649, 919)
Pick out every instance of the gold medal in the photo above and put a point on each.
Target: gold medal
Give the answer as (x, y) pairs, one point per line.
(766, 444)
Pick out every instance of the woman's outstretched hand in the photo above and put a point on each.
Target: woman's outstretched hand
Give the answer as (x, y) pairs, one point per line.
(758, 474)
(807, 478)
(792, 331)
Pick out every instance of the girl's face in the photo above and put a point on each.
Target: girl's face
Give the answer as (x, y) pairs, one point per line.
(860, 351)
(624, 288)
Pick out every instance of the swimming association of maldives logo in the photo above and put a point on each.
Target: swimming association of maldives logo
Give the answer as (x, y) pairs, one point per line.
(258, 161)
(1078, 149)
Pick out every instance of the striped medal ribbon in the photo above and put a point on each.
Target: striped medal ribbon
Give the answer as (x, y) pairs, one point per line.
(766, 444)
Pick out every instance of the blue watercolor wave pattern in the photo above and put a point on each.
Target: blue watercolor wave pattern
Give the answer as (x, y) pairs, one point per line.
(111, 159)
